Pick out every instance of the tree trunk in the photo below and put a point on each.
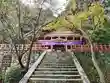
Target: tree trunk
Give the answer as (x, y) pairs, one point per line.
(29, 56)
(20, 62)
(19, 57)
(30, 50)
(95, 63)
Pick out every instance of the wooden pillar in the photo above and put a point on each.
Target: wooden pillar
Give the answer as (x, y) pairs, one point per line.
(74, 44)
(66, 45)
(81, 49)
(51, 46)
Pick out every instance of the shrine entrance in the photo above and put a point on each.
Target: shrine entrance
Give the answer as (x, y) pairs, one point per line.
(59, 47)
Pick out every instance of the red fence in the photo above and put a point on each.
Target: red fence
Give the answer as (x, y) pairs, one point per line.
(39, 47)
(96, 48)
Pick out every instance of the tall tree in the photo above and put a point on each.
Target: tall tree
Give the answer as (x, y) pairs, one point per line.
(92, 16)
(14, 18)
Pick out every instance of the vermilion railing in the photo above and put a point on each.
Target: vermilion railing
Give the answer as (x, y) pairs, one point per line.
(78, 48)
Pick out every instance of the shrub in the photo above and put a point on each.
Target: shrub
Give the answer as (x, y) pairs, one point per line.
(0, 76)
(13, 75)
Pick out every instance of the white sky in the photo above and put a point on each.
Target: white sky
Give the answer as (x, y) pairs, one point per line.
(56, 6)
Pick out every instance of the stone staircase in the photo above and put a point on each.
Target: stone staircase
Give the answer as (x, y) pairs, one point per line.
(56, 68)
(6, 61)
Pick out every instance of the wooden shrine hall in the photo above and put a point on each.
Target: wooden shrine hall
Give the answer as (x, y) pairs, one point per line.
(62, 40)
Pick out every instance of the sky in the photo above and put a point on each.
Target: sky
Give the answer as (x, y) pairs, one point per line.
(56, 6)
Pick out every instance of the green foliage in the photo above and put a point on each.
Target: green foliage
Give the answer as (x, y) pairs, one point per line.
(95, 11)
(102, 59)
(107, 3)
(59, 23)
(73, 4)
(96, 7)
(88, 66)
(101, 35)
(106, 58)
(7, 14)
(12, 16)
(13, 75)
(1, 76)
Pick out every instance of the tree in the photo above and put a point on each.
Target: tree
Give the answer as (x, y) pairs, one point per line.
(14, 18)
(97, 21)
(101, 35)
(94, 16)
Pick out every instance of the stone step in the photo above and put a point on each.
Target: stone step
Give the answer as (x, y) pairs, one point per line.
(57, 77)
(52, 75)
(56, 66)
(59, 62)
(55, 69)
(6, 58)
(56, 72)
(53, 79)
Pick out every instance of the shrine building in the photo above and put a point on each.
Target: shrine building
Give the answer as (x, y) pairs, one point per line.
(62, 40)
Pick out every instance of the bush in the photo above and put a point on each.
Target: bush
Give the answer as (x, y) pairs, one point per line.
(1, 77)
(13, 75)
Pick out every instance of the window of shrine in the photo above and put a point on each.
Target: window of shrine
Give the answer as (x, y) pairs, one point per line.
(49, 47)
(84, 41)
(54, 37)
(77, 46)
(41, 38)
(77, 38)
(73, 46)
(68, 46)
(62, 37)
(47, 38)
(107, 46)
(69, 38)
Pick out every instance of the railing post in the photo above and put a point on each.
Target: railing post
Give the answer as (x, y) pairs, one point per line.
(80, 69)
(32, 69)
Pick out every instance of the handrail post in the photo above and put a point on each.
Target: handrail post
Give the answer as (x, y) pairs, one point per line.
(80, 69)
(32, 69)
